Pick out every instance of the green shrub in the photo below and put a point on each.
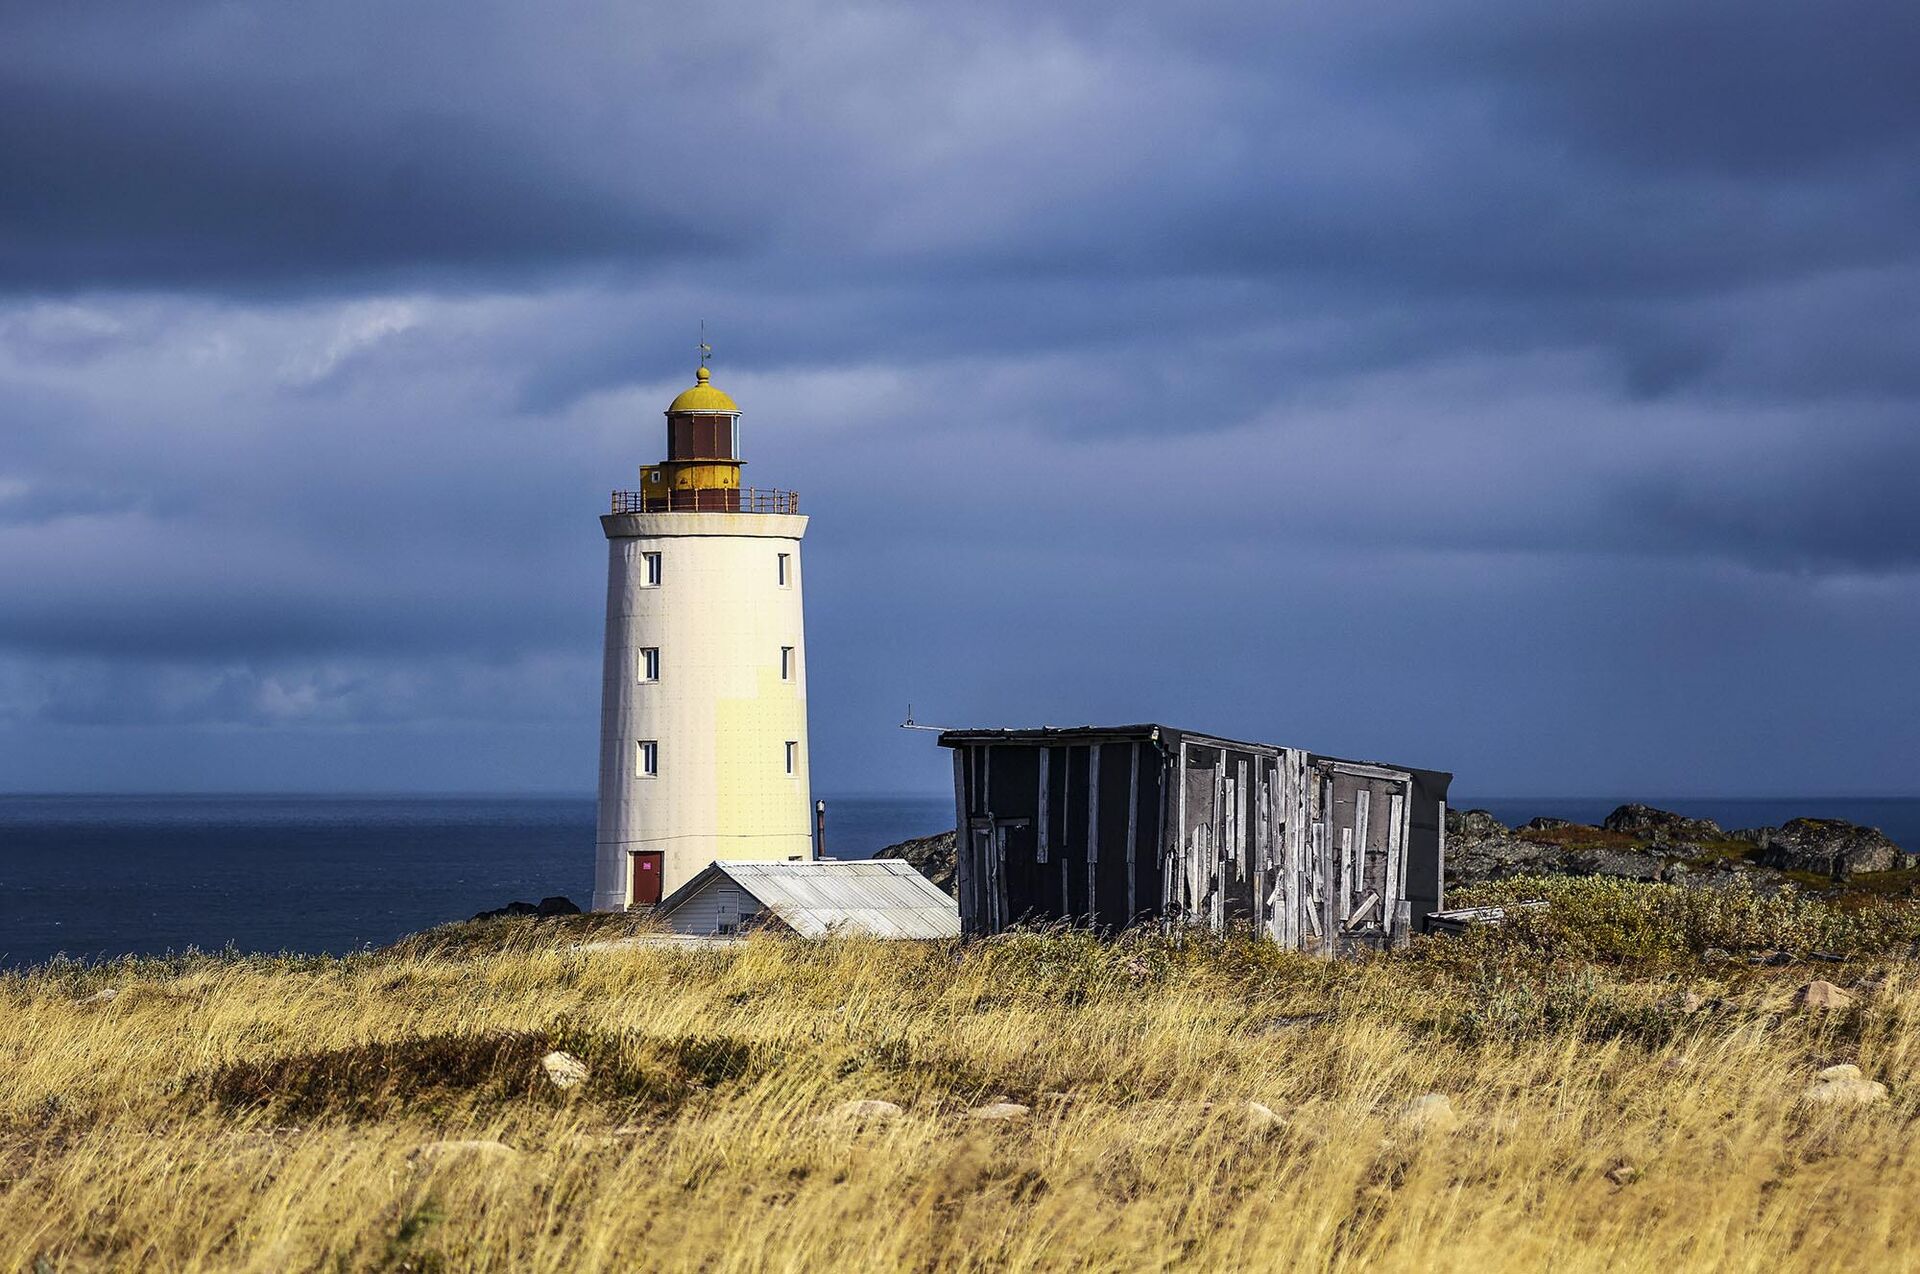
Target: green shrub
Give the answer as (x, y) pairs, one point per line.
(1599, 918)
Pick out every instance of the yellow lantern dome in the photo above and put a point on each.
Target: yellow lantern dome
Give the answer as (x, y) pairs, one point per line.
(702, 397)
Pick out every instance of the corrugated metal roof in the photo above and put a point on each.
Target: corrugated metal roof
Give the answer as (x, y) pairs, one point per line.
(880, 897)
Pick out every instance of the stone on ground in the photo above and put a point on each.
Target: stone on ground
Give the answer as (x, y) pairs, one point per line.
(1263, 1118)
(868, 1111)
(105, 995)
(1821, 995)
(564, 1070)
(1843, 1085)
(1003, 1112)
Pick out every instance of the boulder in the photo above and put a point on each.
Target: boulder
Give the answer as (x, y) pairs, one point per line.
(932, 856)
(1660, 827)
(1473, 825)
(1480, 847)
(1844, 1086)
(563, 1070)
(558, 905)
(1826, 846)
(1429, 1112)
(106, 995)
(1821, 995)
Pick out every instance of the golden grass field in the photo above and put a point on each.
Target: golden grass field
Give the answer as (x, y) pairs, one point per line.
(260, 1113)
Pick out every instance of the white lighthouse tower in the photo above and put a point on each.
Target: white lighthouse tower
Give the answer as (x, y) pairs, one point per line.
(703, 709)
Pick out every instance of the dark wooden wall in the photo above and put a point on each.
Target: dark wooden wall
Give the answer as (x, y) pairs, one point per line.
(1084, 852)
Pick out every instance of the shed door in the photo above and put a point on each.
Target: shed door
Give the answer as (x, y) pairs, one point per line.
(648, 865)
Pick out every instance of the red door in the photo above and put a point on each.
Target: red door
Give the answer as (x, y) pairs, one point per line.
(647, 867)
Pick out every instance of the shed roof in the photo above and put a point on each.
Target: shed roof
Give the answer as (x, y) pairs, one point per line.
(879, 897)
(1052, 734)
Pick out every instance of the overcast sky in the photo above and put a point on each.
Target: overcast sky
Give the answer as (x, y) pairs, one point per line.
(1526, 390)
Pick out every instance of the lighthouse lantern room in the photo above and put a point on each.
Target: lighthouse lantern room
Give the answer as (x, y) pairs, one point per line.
(703, 717)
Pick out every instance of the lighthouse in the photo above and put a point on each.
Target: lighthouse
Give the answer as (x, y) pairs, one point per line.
(703, 708)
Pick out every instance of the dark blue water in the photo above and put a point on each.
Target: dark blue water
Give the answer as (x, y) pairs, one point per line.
(94, 876)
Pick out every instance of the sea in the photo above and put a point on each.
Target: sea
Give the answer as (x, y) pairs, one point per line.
(95, 877)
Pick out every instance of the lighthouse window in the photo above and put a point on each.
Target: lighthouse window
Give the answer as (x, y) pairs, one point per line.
(646, 759)
(786, 663)
(650, 573)
(649, 664)
(793, 756)
(785, 576)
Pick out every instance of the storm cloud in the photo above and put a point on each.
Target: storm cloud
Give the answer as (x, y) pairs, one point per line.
(1527, 391)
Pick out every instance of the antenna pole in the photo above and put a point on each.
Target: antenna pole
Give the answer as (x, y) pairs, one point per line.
(911, 724)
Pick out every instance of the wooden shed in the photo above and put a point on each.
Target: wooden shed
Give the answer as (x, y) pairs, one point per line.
(1118, 825)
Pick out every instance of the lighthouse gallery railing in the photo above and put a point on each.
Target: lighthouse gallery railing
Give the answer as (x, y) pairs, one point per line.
(708, 500)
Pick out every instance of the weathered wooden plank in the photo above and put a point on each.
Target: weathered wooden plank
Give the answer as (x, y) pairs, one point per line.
(963, 844)
(1292, 838)
(1066, 832)
(1317, 881)
(1000, 876)
(1396, 891)
(1216, 896)
(1347, 888)
(1133, 824)
(1043, 832)
(1180, 870)
(1240, 854)
(1093, 831)
(1362, 812)
(989, 877)
(1361, 769)
(1263, 848)
(1358, 915)
(1329, 885)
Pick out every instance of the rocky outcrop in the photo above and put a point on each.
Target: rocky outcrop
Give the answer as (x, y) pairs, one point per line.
(1651, 826)
(546, 907)
(1827, 846)
(1640, 842)
(1480, 847)
(931, 856)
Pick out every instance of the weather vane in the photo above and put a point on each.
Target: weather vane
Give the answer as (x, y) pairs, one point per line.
(706, 350)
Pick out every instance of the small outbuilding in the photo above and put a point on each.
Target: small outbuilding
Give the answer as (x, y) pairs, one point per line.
(879, 898)
(1117, 825)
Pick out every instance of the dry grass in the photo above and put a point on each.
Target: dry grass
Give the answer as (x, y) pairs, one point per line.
(262, 1114)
